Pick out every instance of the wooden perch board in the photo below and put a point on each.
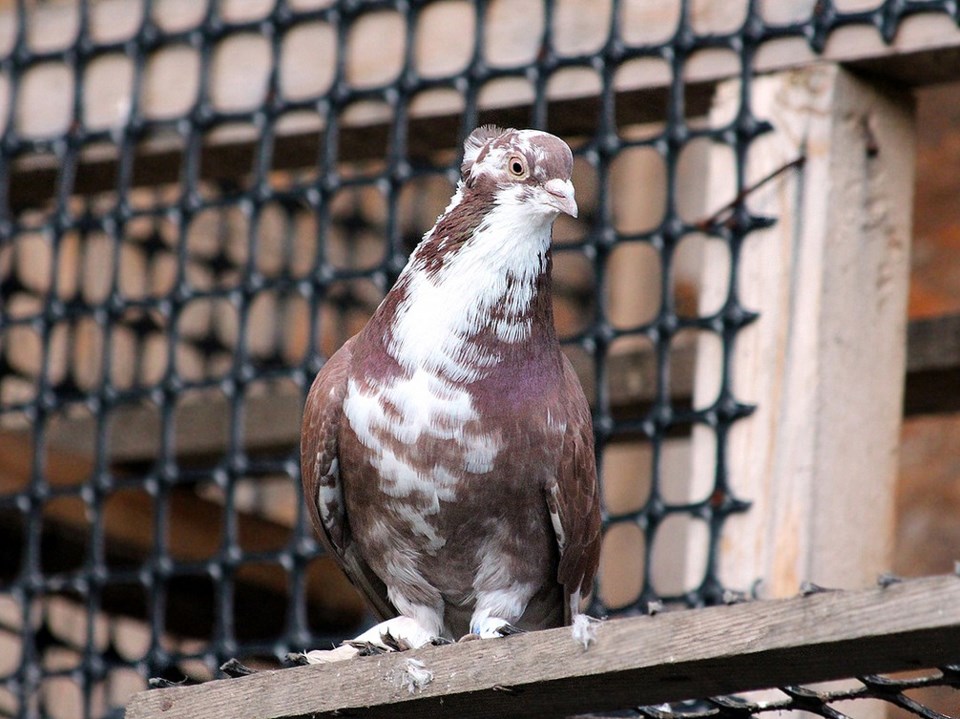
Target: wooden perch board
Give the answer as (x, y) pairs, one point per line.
(635, 661)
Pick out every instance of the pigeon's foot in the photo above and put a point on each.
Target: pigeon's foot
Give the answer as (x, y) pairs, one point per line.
(328, 656)
(394, 635)
(492, 628)
(397, 634)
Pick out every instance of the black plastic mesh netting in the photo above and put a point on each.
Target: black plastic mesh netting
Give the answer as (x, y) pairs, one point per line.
(929, 694)
(201, 201)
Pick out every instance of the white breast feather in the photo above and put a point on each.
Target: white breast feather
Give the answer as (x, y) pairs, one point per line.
(428, 408)
(428, 337)
(442, 309)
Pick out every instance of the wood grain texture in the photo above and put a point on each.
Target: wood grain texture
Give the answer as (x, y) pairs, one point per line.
(825, 361)
(635, 661)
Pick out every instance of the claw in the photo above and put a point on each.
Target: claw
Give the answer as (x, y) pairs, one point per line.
(493, 627)
(507, 629)
(233, 669)
(368, 649)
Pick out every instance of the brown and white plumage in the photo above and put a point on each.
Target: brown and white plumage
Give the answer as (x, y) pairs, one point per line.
(447, 449)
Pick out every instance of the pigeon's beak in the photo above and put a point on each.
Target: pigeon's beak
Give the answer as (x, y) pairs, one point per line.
(560, 193)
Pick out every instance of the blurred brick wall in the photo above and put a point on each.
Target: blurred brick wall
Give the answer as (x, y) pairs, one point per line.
(928, 494)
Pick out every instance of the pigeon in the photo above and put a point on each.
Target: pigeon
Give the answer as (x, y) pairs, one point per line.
(447, 449)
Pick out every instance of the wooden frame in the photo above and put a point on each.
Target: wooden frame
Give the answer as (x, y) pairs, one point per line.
(825, 360)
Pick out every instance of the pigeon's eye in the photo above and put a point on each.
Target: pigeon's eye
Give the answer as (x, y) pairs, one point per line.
(517, 166)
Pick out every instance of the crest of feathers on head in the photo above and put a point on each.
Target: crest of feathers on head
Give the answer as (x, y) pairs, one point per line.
(477, 140)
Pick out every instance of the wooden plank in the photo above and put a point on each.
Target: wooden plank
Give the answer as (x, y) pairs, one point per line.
(924, 51)
(933, 366)
(825, 361)
(932, 392)
(636, 661)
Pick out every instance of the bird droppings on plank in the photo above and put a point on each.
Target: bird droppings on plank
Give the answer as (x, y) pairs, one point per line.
(412, 675)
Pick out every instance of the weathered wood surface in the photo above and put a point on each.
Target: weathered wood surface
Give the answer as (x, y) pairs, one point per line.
(925, 50)
(636, 661)
(825, 361)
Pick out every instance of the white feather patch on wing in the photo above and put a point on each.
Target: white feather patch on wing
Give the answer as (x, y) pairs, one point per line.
(554, 506)
(329, 495)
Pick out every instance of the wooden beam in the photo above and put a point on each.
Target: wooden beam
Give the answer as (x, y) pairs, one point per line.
(924, 51)
(825, 361)
(933, 366)
(637, 661)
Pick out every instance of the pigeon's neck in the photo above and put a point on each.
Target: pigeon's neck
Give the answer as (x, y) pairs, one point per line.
(475, 294)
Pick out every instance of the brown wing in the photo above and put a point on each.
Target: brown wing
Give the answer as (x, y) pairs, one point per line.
(573, 498)
(320, 473)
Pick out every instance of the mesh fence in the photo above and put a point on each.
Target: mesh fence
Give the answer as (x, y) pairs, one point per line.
(930, 694)
(202, 201)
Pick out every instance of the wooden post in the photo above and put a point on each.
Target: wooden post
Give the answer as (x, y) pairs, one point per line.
(825, 362)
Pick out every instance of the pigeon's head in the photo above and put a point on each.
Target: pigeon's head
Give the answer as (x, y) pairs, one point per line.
(526, 168)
